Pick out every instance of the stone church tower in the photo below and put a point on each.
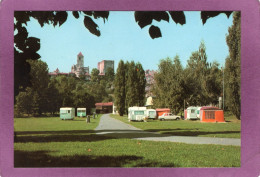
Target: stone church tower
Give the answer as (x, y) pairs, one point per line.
(80, 60)
(79, 68)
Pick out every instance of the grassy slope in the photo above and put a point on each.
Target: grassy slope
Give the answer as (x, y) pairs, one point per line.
(50, 142)
(230, 129)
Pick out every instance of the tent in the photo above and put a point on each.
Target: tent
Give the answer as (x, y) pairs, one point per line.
(211, 114)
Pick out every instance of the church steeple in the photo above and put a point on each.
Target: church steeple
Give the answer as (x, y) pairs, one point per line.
(80, 60)
(80, 54)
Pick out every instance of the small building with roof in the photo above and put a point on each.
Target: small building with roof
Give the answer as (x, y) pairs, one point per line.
(104, 107)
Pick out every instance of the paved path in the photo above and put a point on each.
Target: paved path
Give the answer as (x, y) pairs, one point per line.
(111, 127)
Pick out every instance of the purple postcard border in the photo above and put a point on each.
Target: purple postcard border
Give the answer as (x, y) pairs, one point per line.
(250, 72)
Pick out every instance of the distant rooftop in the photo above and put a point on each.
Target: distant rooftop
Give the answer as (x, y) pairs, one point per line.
(80, 54)
(104, 104)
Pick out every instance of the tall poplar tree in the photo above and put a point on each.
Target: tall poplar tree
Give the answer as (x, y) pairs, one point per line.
(197, 71)
(131, 85)
(141, 82)
(120, 88)
(232, 70)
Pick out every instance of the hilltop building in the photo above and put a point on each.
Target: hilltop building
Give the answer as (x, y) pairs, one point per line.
(104, 65)
(57, 73)
(76, 70)
(79, 68)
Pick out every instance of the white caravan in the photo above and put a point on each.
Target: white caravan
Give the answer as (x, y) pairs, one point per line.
(136, 113)
(67, 113)
(191, 113)
(151, 113)
(198, 112)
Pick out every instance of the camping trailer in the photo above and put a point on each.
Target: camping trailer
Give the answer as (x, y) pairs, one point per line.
(67, 113)
(136, 113)
(81, 112)
(151, 113)
(198, 112)
(191, 113)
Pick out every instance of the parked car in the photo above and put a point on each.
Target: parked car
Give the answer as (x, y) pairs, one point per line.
(169, 116)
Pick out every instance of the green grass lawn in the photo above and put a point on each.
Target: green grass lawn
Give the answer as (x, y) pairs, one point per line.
(51, 142)
(230, 129)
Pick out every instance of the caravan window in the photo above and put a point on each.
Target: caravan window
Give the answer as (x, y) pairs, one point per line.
(63, 111)
(192, 111)
(139, 112)
(152, 113)
(68, 111)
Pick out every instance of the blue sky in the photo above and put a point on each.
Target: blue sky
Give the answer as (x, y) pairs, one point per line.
(122, 38)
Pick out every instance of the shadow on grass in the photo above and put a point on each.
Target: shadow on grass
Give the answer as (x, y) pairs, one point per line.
(184, 132)
(99, 135)
(80, 135)
(54, 132)
(60, 138)
(43, 159)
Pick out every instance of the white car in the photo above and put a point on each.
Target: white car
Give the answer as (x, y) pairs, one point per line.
(169, 116)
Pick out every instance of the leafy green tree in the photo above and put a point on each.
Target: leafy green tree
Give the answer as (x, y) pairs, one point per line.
(131, 85)
(162, 83)
(168, 86)
(214, 83)
(66, 85)
(135, 84)
(197, 70)
(141, 82)
(120, 88)
(97, 90)
(110, 75)
(26, 102)
(54, 97)
(191, 88)
(40, 80)
(232, 70)
(202, 81)
(94, 75)
(82, 98)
